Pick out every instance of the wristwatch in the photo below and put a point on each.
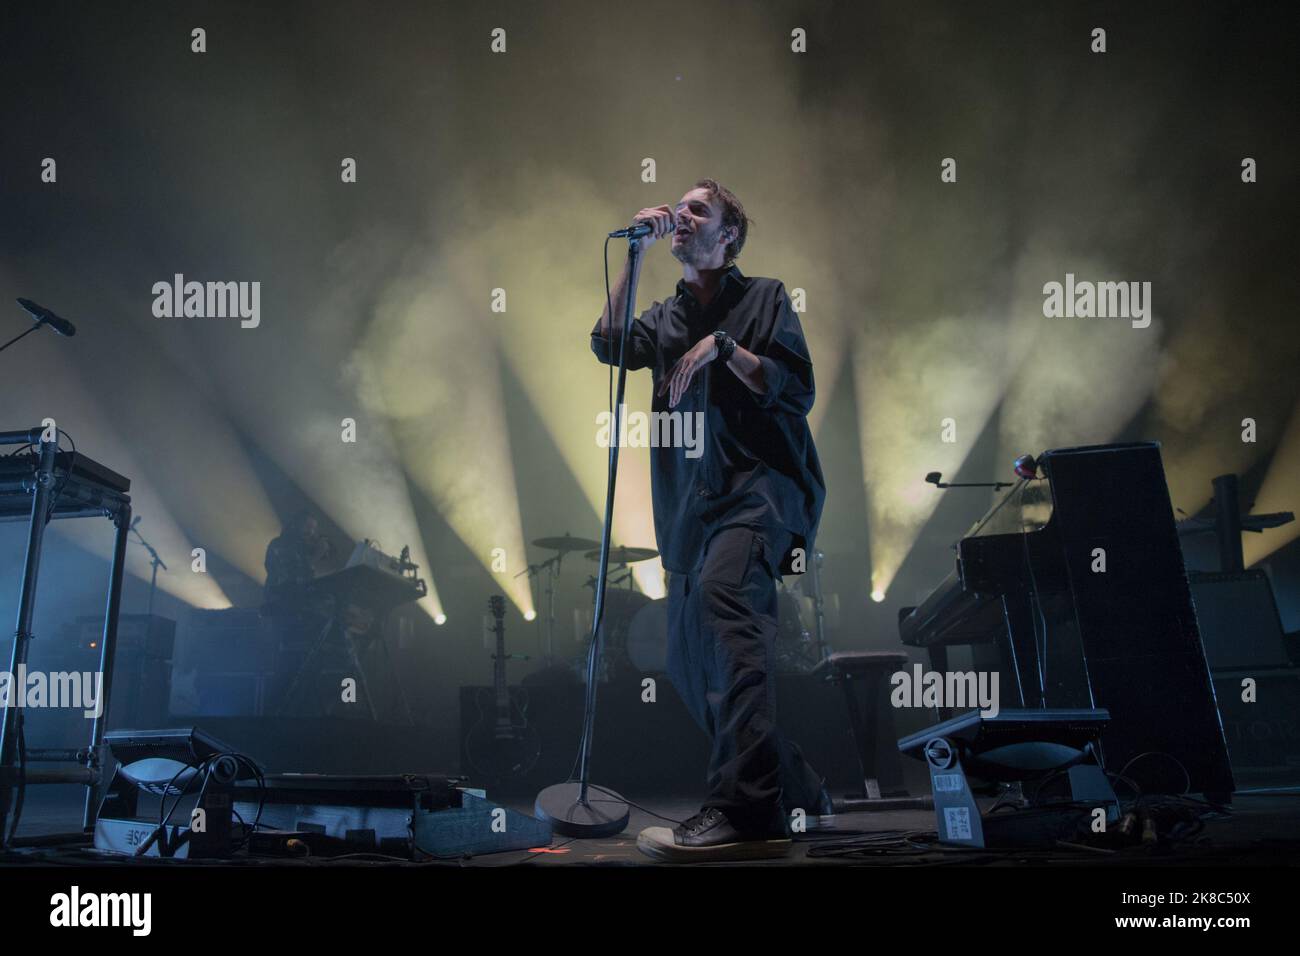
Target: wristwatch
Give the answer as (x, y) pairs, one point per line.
(726, 346)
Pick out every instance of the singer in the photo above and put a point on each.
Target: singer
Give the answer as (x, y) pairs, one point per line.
(731, 520)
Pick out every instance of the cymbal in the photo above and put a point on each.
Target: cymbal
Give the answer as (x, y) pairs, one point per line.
(624, 555)
(566, 543)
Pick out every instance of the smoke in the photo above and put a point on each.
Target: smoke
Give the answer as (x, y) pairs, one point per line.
(479, 171)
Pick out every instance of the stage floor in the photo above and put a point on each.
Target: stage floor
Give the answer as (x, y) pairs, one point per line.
(1262, 829)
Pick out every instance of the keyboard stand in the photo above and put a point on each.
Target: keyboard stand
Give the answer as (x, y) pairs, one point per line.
(54, 484)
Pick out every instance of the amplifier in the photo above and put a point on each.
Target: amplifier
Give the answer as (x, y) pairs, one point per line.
(224, 664)
(141, 665)
(140, 635)
(366, 813)
(1263, 734)
(1238, 618)
(408, 815)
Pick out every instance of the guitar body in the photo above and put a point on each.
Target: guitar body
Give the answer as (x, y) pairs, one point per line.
(502, 749)
(501, 744)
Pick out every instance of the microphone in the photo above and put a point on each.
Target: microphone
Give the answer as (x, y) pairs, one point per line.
(936, 478)
(44, 316)
(634, 231)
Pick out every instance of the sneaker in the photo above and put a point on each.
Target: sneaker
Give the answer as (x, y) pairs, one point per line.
(709, 837)
(822, 815)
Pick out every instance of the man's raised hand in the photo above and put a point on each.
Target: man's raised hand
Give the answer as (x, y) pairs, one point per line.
(662, 218)
(679, 379)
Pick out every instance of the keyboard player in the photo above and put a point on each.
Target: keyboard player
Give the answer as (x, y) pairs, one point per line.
(292, 562)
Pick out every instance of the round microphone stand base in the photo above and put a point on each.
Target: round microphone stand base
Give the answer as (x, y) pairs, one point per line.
(603, 814)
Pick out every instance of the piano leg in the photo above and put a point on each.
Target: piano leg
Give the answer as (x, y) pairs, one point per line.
(939, 664)
(1021, 649)
(991, 657)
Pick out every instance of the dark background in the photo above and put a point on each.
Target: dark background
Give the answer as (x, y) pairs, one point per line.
(481, 170)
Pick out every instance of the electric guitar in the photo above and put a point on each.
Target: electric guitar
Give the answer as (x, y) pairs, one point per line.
(501, 744)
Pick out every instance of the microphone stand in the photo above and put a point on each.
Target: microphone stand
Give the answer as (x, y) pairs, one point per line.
(157, 563)
(819, 606)
(19, 336)
(934, 478)
(552, 568)
(568, 806)
(36, 313)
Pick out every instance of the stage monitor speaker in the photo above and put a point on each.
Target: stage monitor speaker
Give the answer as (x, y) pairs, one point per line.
(1259, 712)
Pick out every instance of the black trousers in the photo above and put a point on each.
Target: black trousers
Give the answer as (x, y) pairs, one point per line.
(722, 625)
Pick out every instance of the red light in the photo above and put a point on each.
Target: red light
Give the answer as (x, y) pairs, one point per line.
(1026, 467)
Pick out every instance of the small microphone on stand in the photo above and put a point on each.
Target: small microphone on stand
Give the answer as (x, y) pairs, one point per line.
(44, 316)
(934, 478)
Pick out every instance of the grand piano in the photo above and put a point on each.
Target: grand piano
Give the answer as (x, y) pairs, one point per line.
(1073, 587)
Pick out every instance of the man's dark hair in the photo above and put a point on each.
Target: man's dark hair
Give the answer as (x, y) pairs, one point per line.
(298, 521)
(733, 214)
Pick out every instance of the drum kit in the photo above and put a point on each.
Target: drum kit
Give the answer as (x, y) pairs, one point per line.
(634, 626)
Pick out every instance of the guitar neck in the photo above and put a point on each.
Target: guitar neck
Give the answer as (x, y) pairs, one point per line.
(499, 671)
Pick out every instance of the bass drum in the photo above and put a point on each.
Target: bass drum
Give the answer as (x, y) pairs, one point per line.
(647, 639)
(621, 608)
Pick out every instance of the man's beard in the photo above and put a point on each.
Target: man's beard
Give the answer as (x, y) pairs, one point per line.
(694, 249)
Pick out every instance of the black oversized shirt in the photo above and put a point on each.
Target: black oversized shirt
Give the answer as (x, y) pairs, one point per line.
(759, 467)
